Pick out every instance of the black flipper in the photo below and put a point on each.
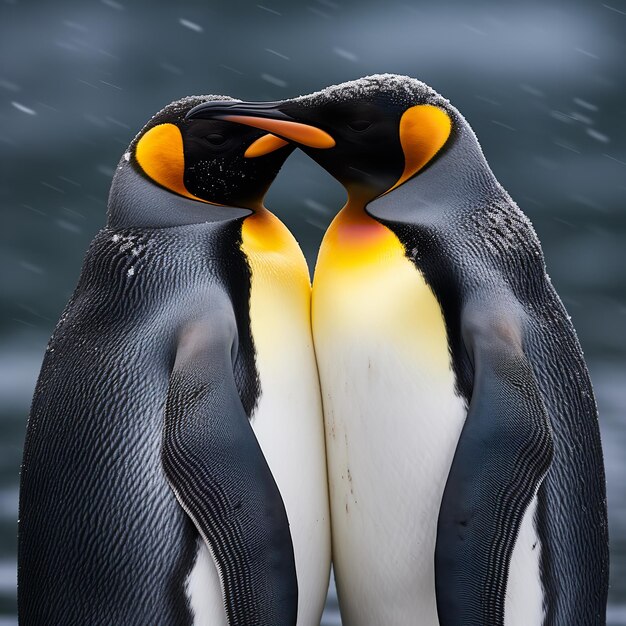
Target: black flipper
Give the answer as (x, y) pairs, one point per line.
(503, 454)
(218, 472)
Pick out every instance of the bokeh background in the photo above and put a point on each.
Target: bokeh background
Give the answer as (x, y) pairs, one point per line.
(541, 82)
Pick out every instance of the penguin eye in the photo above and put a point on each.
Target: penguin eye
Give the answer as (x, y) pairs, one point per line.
(359, 125)
(215, 139)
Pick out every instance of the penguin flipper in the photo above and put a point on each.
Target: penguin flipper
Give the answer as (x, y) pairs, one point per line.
(220, 477)
(503, 454)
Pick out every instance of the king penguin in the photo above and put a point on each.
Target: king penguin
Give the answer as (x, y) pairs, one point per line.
(466, 475)
(174, 467)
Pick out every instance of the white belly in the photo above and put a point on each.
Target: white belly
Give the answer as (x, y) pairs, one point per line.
(393, 419)
(288, 420)
(289, 426)
(392, 429)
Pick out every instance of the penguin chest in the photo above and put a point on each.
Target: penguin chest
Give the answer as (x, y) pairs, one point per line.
(393, 419)
(288, 420)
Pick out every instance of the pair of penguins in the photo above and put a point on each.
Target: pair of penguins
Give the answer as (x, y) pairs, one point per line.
(175, 463)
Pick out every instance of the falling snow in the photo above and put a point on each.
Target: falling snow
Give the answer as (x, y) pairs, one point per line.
(118, 6)
(264, 8)
(316, 206)
(345, 54)
(279, 82)
(585, 105)
(190, 25)
(601, 137)
(278, 54)
(8, 85)
(23, 108)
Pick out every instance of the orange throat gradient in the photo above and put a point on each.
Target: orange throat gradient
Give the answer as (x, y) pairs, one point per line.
(365, 287)
(355, 239)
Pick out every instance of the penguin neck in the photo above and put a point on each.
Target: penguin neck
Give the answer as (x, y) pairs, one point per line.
(136, 202)
(276, 262)
(355, 239)
(262, 232)
(457, 181)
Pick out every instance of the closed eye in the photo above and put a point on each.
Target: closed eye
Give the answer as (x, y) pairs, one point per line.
(215, 139)
(359, 125)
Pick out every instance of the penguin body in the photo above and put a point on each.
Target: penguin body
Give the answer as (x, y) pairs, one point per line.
(393, 418)
(177, 422)
(465, 466)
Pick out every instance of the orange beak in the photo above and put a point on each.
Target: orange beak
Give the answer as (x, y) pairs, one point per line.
(265, 117)
(264, 145)
(293, 131)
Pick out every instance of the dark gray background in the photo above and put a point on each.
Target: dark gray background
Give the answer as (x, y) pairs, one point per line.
(540, 82)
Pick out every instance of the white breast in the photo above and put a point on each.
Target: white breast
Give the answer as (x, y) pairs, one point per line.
(392, 428)
(393, 419)
(288, 419)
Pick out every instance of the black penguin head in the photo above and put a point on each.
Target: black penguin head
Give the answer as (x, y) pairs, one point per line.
(207, 160)
(385, 128)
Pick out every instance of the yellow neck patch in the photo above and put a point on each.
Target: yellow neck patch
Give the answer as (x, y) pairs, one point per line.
(354, 239)
(262, 232)
(424, 129)
(161, 156)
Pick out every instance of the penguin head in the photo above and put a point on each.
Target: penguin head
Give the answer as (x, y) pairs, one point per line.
(206, 160)
(382, 130)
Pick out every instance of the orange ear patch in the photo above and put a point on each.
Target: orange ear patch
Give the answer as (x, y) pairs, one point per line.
(161, 156)
(424, 129)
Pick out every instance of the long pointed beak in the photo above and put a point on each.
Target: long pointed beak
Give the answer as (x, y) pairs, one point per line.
(265, 116)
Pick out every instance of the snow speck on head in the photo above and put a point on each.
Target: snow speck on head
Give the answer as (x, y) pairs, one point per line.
(190, 25)
(23, 108)
(173, 109)
(127, 156)
(131, 271)
(402, 89)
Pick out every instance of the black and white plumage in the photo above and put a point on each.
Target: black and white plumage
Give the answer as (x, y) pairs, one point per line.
(465, 466)
(162, 478)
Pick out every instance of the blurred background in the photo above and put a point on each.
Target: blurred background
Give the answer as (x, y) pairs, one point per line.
(541, 82)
